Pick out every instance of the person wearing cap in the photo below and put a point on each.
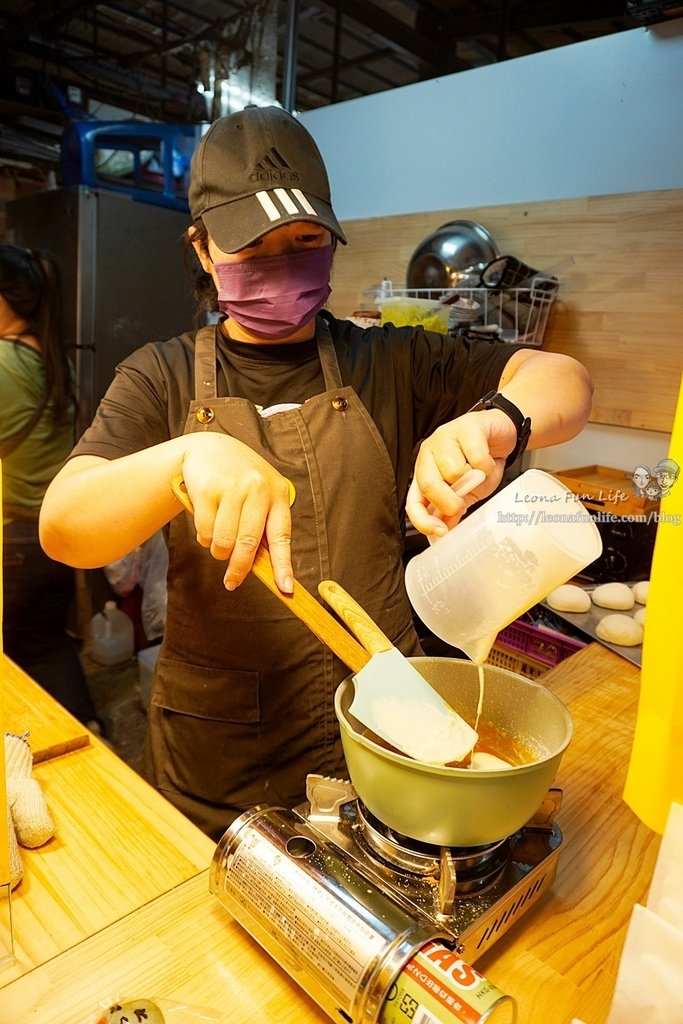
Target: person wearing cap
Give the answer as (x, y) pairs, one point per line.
(277, 393)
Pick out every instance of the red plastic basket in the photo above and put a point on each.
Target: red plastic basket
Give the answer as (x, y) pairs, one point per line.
(515, 662)
(544, 645)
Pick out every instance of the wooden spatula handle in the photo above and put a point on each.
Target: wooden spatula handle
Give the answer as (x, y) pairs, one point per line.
(356, 618)
(300, 602)
(319, 621)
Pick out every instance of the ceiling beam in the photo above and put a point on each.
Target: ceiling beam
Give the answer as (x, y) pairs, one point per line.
(553, 14)
(105, 82)
(397, 33)
(40, 15)
(348, 65)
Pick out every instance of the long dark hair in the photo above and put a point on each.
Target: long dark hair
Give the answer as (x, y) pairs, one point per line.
(29, 283)
(203, 288)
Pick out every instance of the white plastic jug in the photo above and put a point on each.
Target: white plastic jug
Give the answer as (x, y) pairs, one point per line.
(112, 636)
(527, 539)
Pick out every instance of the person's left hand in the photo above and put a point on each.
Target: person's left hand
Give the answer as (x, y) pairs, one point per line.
(478, 440)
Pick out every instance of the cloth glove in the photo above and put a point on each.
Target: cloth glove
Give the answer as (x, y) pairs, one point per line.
(30, 823)
(16, 869)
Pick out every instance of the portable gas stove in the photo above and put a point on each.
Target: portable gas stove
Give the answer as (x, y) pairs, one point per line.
(343, 902)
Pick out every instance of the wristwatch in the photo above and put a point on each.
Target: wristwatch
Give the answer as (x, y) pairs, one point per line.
(494, 400)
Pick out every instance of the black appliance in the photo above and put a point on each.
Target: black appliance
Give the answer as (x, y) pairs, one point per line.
(122, 275)
(627, 549)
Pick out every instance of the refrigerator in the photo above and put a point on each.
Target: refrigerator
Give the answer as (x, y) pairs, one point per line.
(122, 273)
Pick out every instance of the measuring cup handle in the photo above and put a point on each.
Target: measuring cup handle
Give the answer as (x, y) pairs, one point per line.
(466, 483)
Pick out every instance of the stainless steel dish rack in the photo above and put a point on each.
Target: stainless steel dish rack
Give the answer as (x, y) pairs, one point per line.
(518, 316)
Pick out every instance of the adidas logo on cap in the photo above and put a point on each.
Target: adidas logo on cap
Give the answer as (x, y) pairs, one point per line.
(274, 167)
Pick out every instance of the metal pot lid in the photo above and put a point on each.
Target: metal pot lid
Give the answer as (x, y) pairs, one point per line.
(453, 248)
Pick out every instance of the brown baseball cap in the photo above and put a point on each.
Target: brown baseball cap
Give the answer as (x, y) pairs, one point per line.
(257, 170)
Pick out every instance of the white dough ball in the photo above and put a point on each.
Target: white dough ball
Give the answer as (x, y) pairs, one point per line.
(569, 598)
(621, 630)
(482, 761)
(614, 595)
(640, 591)
(639, 616)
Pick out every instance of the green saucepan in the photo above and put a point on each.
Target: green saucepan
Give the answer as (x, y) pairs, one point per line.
(455, 806)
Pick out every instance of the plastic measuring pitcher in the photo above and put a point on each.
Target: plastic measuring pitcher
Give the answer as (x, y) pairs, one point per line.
(527, 539)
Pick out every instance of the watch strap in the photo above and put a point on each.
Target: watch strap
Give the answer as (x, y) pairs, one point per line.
(494, 400)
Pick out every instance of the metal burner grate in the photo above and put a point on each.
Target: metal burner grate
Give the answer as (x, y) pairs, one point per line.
(470, 869)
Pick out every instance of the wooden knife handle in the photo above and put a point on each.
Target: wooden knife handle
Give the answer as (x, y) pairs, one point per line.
(356, 618)
(300, 602)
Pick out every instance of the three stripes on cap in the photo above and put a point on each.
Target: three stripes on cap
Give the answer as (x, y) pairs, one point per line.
(291, 200)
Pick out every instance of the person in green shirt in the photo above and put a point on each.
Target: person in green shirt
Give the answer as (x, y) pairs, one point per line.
(37, 411)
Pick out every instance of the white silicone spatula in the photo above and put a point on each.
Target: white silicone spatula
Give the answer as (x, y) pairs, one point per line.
(393, 699)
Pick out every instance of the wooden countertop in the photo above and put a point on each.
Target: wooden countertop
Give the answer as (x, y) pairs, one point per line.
(27, 707)
(183, 947)
(559, 961)
(118, 843)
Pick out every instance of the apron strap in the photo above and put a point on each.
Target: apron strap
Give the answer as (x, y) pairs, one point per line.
(328, 356)
(205, 364)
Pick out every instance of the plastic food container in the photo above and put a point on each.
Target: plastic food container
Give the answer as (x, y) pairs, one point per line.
(404, 311)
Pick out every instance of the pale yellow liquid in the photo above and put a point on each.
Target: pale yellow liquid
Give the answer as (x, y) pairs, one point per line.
(490, 739)
(480, 702)
(467, 763)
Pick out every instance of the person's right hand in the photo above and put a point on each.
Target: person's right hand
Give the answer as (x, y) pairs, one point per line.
(239, 501)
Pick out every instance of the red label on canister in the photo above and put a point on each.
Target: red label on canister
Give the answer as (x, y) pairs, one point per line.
(438, 987)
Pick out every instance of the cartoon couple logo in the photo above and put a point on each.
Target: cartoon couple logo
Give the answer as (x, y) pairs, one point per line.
(655, 483)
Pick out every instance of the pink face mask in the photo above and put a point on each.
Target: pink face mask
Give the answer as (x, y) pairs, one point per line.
(273, 296)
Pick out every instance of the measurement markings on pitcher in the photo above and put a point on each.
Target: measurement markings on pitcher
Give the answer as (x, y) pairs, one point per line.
(479, 543)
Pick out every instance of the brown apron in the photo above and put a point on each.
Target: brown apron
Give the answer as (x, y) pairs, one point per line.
(242, 705)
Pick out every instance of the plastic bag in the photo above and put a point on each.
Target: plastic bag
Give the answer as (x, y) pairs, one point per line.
(145, 567)
(154, 1011)
(123, 575)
